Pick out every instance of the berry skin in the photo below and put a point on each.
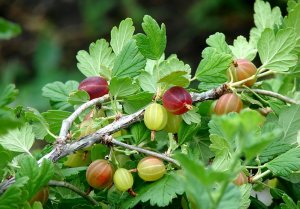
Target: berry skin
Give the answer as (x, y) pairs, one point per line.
(228, 103)
(151, 168)
(241, 179)
(95, 86)
(99, 174)
(80, 158)
(40, 196)
(177, 100)
(123, 179)
(155, 117)
(242, 69)
(173, 123)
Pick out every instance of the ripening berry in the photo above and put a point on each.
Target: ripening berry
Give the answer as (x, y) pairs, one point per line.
(99, 174)
(151, 168)
(95, 86)
(40, 196)
(227, 103)
(177, 100)
(242, 69)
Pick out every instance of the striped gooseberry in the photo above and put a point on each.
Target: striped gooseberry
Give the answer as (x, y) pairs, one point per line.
(242, 69)
(177, 100)
(95, 86)
(155, 117)
(151, 168)
(227, 103)
(99, 174)
(123, 179)
(173, 123)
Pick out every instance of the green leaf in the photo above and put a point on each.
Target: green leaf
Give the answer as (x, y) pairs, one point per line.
(289, 203)
(99, 60)
(8, 120)
(245, 191)
(264, 17)
(153, 44)
(174, 72)
(55, 118)
(186, 132)
(8, 94)
(37, 205)
(222, 150)
(160, 193)
(121, 87)
(218, 42)
(148, 82)
(13, 197)
(286, 163)
(38, 176)
(289, 120)
(129, 62)
(18, 140)
(230, 198)
(242, 49)
(212, 68)
(275, 49)
(9, 29)
(135, 102)
(122, 35)
(292, 21)
(78, 97)
(59, 92)
(139, 132)
(192, 116)
(39, 124)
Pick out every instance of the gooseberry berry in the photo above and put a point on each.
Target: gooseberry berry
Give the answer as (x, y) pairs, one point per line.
(151, 168)
(242, 69)
(99, 174)
(240, 179)
(229, 102)
(40, 196)
(95, 86)
(155, 117)
(123, 179)
(173, 123)
(177, 100)
(80, 158)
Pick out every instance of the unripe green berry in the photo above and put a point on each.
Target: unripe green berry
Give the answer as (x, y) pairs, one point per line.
(151, 168)
(123, 179)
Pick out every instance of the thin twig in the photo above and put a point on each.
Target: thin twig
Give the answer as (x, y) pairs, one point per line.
(271, 94)
(67, 123)
(139, 149)
(74, 189)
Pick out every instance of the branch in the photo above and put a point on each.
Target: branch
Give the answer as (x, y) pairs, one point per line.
(67, 123)
(74, 189)
(111, 140)
(271, 94)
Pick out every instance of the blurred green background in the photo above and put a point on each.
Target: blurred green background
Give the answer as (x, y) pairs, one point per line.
(54, 30)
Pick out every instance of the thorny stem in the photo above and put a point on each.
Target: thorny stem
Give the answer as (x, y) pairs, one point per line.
(74, 189)
(259, 176)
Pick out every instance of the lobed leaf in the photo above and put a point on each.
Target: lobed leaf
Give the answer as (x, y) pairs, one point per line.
(153, 44)
(129, 61)
(275, 50)
(121, 87)
(18, 140)
(242, 49)
(59, 92)
(98, 61)
(122, 35)
(160, 193)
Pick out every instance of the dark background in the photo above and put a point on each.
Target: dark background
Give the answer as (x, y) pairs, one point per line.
(54, 30)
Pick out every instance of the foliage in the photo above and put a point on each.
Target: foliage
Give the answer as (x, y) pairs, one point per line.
(206, 153)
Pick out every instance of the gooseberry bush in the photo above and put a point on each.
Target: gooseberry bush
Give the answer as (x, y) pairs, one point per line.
(143, 131)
